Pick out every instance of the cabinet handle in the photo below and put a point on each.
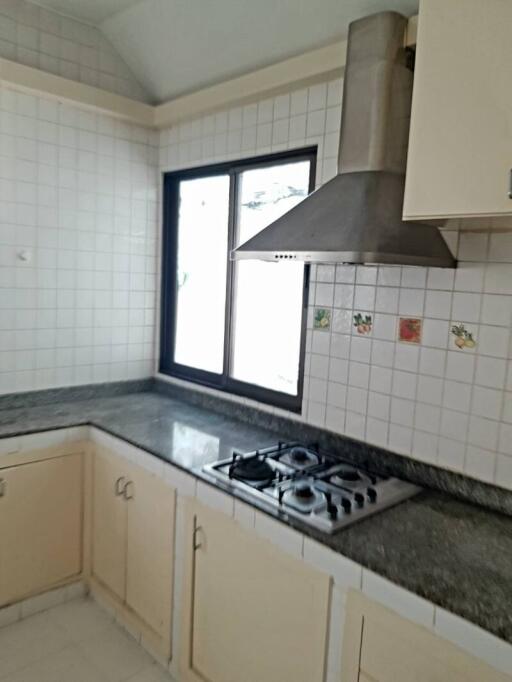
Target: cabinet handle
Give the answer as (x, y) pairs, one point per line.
(510, 184)
(119, 486)
(125, 491)
(195, 544)
(3, 486)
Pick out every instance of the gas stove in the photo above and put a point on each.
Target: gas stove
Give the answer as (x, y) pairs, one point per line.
(320, 489)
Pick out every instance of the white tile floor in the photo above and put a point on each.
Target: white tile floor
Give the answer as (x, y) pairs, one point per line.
(73, 642)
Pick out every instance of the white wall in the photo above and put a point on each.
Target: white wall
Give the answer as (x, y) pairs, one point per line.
(78, 194)
(37, 37)
(432, 401)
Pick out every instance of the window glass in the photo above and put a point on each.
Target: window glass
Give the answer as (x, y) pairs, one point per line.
(201, 272)
(268, 297)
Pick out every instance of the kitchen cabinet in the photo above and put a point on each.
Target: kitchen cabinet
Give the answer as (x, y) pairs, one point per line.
(381, 646)
(133, 542)
(249, 608)
(460, 145)
(109, 514)
(41, 506)
(150, 548)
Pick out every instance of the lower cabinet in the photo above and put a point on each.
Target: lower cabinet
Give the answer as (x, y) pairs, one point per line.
(109, 519)
(133, 514)
(41, 508)
(251, 612)
(381, 646)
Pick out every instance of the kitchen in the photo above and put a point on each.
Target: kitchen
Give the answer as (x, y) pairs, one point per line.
(215, 466)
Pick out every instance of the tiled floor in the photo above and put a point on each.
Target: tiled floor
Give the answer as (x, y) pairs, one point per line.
(73, 642)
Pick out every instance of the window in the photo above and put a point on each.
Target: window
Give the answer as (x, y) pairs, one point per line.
(234, 325)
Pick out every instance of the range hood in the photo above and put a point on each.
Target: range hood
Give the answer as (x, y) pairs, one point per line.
(357, 216)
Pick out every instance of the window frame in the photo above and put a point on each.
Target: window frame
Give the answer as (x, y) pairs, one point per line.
(168, 299)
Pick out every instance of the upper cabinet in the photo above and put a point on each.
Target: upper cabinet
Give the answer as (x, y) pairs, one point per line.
(460, 145)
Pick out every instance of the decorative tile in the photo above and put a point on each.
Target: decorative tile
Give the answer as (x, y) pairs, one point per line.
(363, 323)
(322, 319)
(462, 337)
(409, 329)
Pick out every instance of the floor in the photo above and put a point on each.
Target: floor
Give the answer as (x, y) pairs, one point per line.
(74, 642)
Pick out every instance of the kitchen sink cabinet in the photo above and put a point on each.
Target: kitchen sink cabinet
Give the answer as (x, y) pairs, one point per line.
(249, 608)
(381, 646)
(133, 544)
(460, 145)
(41, 508)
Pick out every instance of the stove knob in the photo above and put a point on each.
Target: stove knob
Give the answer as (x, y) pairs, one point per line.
(280, 494)
(359, 499)
(332, 510)
(372, 495)
(346, 504)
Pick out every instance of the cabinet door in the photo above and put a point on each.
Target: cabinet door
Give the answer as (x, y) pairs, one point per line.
(150, 549)
(109, 519)
(255, 613)
(40, 525)
(380, 646)
(460, 145)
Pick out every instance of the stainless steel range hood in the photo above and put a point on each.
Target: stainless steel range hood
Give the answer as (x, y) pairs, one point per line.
(357, 216)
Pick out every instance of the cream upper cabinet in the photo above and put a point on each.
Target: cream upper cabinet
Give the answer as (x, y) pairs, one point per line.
(381, 646)
(460, 146)
(133, 516)
(41, 505)
(251, 611)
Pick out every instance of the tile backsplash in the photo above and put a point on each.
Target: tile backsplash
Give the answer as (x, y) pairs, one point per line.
(78, 234)
(37, 37)
(444, 396)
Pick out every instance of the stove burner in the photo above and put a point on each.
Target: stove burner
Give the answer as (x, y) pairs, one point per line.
(304, 492)
(348, 475)
(251, 469)
(299, 455)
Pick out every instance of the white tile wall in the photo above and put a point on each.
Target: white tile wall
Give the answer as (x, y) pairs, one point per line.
(37, 37)
(432, 402)
(78, 201)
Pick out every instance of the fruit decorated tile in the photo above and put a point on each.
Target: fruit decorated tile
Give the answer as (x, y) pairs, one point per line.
(463, 338)
(363, 323)
(322, 319)
(409, 329)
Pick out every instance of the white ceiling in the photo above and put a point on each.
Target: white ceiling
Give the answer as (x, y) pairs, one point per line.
(92, 11)
(177, 46)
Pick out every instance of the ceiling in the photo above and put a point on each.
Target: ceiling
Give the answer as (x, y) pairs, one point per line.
(178, 46)
(92, 11)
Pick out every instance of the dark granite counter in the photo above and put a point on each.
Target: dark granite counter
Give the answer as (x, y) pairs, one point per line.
(455, 554)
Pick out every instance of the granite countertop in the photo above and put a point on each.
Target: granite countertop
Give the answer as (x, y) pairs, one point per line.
(455, 554)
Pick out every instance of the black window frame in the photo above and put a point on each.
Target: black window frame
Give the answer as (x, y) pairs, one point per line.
(223, 382)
